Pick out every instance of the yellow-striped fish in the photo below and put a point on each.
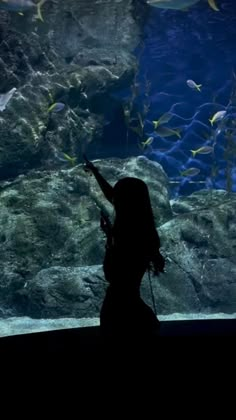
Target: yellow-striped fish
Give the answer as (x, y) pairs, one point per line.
(217, 117)
(204, 150)
(190, 172)
(147, 142)
(70, 159)
(165, 118)
(167, 132)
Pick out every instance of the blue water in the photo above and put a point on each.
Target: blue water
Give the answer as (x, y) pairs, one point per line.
(200, 45)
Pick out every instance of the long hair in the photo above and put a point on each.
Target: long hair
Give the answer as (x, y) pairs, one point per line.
(134, 221)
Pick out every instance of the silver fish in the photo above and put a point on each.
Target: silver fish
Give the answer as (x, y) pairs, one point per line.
(179, 4)
(193, 85)
(172, 4)
(190, 172)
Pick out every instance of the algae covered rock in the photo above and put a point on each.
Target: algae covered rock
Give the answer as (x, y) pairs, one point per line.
(71, 57)
(200, 246)
(52, 219)
(52, 248)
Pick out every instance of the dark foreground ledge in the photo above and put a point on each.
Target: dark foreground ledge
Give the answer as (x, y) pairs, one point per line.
(88, 339)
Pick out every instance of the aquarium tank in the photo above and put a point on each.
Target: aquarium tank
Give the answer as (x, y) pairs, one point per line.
(143, 88)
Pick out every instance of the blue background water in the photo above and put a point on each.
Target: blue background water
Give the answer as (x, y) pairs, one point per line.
(200, 45)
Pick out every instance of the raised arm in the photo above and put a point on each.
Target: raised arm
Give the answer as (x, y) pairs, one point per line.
(106, 188)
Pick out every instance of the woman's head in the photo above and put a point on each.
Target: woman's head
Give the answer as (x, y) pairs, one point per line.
(131, 195)
(134, 218)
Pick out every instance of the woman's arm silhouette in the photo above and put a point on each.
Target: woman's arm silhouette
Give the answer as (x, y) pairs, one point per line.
(106, 188)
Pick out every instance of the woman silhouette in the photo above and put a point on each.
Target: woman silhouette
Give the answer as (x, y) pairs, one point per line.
(132, 248)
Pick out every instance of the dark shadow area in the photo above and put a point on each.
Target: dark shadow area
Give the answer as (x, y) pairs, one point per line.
(88, 339)
(115, 141)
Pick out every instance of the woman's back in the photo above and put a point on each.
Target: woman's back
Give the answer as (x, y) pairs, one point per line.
(125, 260)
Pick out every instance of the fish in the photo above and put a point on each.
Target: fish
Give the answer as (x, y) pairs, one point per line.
(213, 5)
(22, 6)
(193, 85)
(217, 117)
(204, 150)
(70, 159)
(63, 157)
(190, 172)
(56, 107)
(167, 132)
(5, 98)
(147, 142)
(180, 4)
(165, 118)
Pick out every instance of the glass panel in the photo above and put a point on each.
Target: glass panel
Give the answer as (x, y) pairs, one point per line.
(144, 89)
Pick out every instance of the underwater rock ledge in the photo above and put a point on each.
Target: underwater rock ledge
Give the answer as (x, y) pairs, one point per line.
(53, 219)
(52, 248)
